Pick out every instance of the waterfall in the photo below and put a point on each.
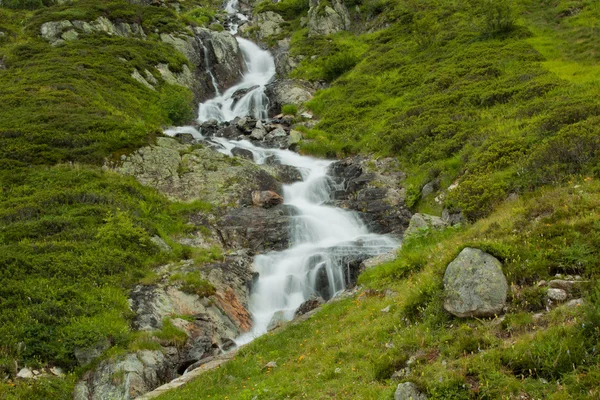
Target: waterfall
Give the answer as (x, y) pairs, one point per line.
(323, 238)
(248, 96)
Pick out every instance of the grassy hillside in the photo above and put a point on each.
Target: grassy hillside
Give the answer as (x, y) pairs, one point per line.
(74, 238)
(501, 98)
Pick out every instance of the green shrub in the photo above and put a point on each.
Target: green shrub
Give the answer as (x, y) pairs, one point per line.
(336, 65)
(289, 109)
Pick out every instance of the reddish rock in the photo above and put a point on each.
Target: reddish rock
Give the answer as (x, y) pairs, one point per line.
(231, 305)
(266, 198)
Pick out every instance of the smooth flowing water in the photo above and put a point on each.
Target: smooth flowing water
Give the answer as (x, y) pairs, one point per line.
(323, 238)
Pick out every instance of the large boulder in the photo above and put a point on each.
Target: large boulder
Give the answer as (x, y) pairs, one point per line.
(268, 23)
(474, 285)
(185, 173)
(287, 91)
(419, 222)
(327, 17)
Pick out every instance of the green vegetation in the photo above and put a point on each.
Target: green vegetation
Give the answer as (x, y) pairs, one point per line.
(289, 109)
(458, 92)
(350, 349)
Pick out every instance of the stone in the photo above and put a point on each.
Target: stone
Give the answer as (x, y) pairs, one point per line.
(309, 305)
(51, 31)
(25, 373)
(386, 309)
(277, 320)
(161, 244)
(287, 91)
(270, 364)
(243, 153)
(429, 188)
(419, 222)
(86, 355)
(287, 174)
(138, 77)
(557, 295)
(574, 303)
(278, 132)
(258, 134)
(57, 371)
(565, 285)
(306, 115)
(325, 18)
(453, 217)
(295, 137)
(378, 260)
(408, 391)
(266, 198)
(474, 285)
(69, 35)
(268, 23)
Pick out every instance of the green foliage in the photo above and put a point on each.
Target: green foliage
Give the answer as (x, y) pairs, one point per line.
(193, 283)
(289, 109)
(177, 102)
(499, 16)
(288, 9)
(170, 335)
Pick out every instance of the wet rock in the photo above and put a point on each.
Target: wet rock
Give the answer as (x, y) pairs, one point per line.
(325, 18)
(246, 124)
(243, 153)
(287, 174)
(309, 305)
(420, 222)
(229, 132)
(239, 94)
(258, 134)
(474, 285)
(408, 391)
(373, 188)
(257, 229)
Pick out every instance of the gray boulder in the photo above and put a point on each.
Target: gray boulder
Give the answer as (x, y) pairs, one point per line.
(287, 91)
(325, 18)
(268, 23)
(474, 285)
(420, 222)
(408, 391)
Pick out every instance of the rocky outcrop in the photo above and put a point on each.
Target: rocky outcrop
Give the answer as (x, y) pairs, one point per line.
(57, 32)
(327, 17)
(257, 229)
(266, 198)
(408, 391)
(268, 23)
(185, 173)
(420, 222)
(126, 377)
(373, 188)
(287, 91)
(378, 260)
(474, 285)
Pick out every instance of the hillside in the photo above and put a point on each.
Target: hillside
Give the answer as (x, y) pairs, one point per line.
(485, 112)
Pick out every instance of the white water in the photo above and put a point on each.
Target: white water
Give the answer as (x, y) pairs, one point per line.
(260, 70)
(321, 236)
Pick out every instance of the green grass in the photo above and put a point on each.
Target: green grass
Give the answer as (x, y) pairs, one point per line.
(350, 349)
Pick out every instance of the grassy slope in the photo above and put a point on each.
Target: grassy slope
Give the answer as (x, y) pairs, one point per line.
(74, 238)
(519, 112)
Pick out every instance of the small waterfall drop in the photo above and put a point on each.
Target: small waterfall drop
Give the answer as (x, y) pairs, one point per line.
(248, 96)
(323, 238)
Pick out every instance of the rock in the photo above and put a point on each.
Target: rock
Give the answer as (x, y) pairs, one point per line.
(287, 174)
(565, 285)
(268, 23)
(287, 91)
(419, 222)
(57, 371)
(278, 132)
(256, 228)
(161, 244)
(184, 78)
(57, 31)
(429, 188)
(309, 305)
(258, 134)
(557, 295)
(243, 153)
(306, 115)
(25, 373)
(270, 364)
(325, 18)
(239, 94)
(86, 355)
(246, 124)
(229, 132)
(185, 138)
(372, 188)
(452, 218)
(408, 391)
(474, 285)
(295, 137)
(126, 377)
(199, 174)
(277, 320)
(386, 309)
(266, 198)
(574, 303)
(378, 260)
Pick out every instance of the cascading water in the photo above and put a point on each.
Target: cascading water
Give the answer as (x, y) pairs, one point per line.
(247, 97)
(323, 238)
